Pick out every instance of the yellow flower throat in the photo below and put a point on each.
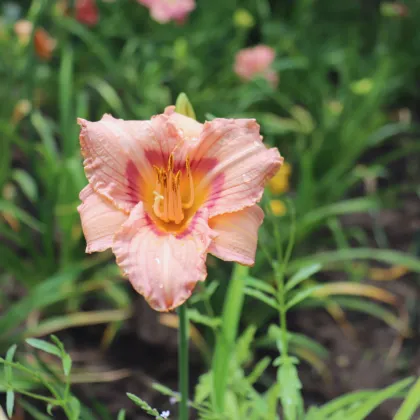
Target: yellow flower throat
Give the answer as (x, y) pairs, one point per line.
(168, 204)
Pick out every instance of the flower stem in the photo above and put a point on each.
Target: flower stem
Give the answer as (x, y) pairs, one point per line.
(183, 361)
(225, 341)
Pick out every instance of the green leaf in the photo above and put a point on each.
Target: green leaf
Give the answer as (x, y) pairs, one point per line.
(410, 404)
(164, 390)
(44, 346)
(203, 388)
(258, 370)
(195, 316)
(143, 405)
(75, 407)
(339, 403)
(303, 274)
(9, 358)
(51, 290)
(108, 94)
(261, 285)
(10, 402)
(26, 183)
(314, 217)
(243, 345)
(295, 339)
(290, 385)
(301, 295)
(65, 99)
(45, 132)
(262, 297)
(121, 415)
(50, 409)
(66, 364)
(361, 412)
(33, 411)
(388, 256)
(92, 41)
(373, 309)
(21, 215)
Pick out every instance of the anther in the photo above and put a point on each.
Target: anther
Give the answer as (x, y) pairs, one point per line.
(190, 201)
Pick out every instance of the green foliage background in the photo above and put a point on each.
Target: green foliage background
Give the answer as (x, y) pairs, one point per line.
(344, 116)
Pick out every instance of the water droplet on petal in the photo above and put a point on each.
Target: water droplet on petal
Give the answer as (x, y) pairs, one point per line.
(160, 286)
(246, 178)
(157, 260)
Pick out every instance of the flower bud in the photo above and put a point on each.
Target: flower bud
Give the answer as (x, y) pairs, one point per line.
(183, 106)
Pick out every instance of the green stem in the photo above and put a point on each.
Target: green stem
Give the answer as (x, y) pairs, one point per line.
(225, 342)
(183, 361)
(279, 274)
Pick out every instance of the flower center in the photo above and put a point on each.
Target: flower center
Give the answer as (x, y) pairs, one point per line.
(168, 205)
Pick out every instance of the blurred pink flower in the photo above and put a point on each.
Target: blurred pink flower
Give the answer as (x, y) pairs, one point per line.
(23, 30)
(166, 192)
(87, 12)
(164, 11)
(254, 61)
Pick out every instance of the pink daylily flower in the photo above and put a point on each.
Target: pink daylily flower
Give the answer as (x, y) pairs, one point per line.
(254, 61)
(166, 192)
(164, 11)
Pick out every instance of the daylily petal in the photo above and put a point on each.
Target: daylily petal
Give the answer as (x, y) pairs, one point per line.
(242, 164)
(191, 128)
(119, 155)
(237, 235)
(100, 220)
(164, 268)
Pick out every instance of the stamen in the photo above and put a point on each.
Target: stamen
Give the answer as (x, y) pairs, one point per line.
(166, 198)
(178, 213)
(168, 205)
(170, 195)
(190, 201)
(171, 163)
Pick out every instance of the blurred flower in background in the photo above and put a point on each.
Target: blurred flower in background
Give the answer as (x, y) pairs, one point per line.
(279, 184)
(21, 110)
(278, 208)
(164, 11)
(280, 181)
(243, 19)
(87, 12)
(23, 29)
(44, 44)
(394, 9)
(256, 61)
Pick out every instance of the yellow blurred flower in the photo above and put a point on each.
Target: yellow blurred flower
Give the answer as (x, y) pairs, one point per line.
(362, 86)
(21, 110)
(243, 19)
(280, 181)
(278, 207)
(335, 107)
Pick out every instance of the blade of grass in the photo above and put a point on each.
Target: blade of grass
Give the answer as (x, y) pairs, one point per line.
(410, 404)
(378, 398)
(339, 256)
